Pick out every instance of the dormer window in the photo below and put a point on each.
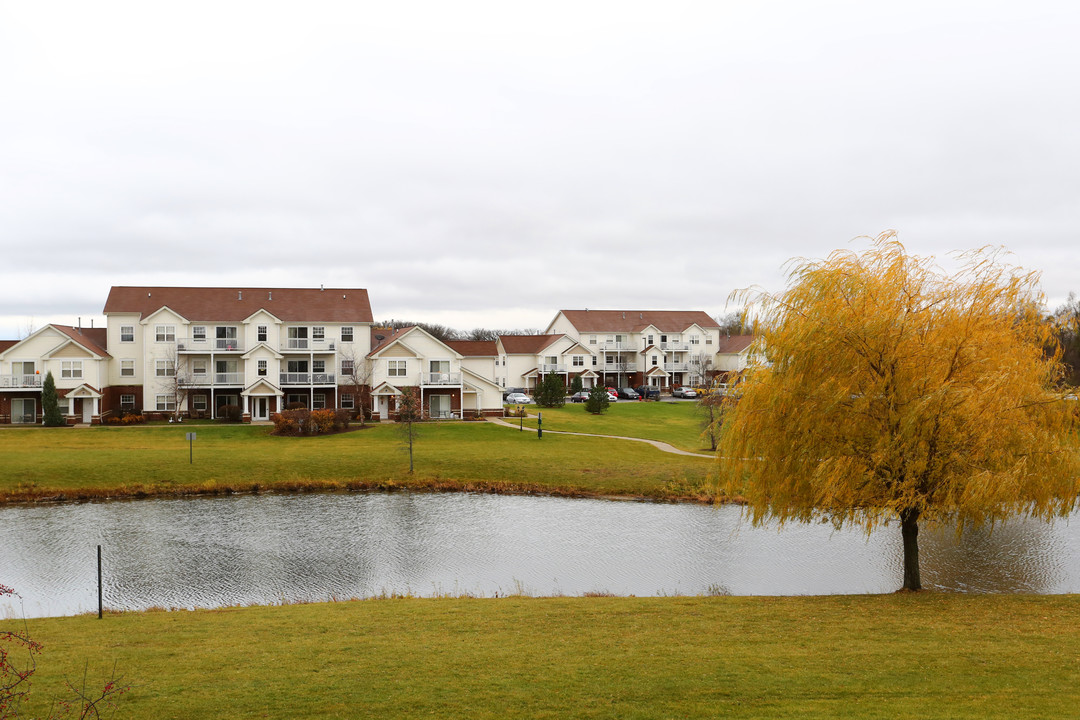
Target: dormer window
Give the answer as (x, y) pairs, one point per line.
(261, 333)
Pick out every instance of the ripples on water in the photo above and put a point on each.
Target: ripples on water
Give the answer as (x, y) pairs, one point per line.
(269, 549)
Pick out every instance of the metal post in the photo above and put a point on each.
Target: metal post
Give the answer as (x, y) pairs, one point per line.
(539, 422)
(99, 582)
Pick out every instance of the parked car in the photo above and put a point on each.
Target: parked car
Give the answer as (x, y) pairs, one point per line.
(612, 397)
(516, 398)
(648, 392)
(684, 392)
(580, 396)
(509, 390)
(628, 393)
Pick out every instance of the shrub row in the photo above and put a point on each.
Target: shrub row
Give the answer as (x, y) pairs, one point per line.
(302, 421)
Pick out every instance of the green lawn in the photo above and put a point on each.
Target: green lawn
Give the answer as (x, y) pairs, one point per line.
(677, 423)
(893, 656)
(45, 462)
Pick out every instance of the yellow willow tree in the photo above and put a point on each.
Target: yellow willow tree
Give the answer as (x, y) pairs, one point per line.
(892, 390)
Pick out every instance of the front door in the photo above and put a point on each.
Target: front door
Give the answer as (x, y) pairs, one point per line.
(262, 408)
(23, 411)
(87, 410)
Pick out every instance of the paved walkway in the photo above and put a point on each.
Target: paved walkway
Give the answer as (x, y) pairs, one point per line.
(655, 443)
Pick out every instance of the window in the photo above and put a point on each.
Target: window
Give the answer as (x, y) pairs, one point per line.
(198, 333)
(579, 361)
(594, 360)
(346, 334)
(439, 406)
(652, 338)
(127, 368)
(298, 338)
(297, 366)
(64, 405)
(127, 333)
(166, 403)
(198, 402)
(262, 368)
(551, 360)
(318, 401)
(592, 339)
(262, 333)
(708, 339)
(695, 340)
(610, 359)
(346, 367)
(198, 367)
(654, 362)
(318, 366)
(347, 401)
(395, 368)
(226, 338)
(295, 398)
(22, 368)
(164, 368)
(318, 333)
(620, 339)
(165, 333)
(127, 402)
(71, 369)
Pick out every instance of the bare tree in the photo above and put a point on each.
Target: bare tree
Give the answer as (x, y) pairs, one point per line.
(700, 365)
(177, 380)
(733, 324)
(356, 373)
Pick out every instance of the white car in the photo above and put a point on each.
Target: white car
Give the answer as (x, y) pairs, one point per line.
(518, 399)
(684, 392)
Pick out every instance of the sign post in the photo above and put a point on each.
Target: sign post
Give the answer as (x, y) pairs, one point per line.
(539, 422)
(191, 451)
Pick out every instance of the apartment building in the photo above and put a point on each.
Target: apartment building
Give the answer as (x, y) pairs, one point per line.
(662, 348)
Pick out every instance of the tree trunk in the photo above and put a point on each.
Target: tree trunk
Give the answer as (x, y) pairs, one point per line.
(909, 528)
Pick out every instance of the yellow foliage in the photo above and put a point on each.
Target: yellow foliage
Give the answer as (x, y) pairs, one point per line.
(891, 387)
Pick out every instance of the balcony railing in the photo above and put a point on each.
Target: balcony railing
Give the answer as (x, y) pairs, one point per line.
(20, 381)
(545, 368)
(619, 367)
(677, 367)
(204, 380)
(440, 378)
(674, 346)
(308, 345)
(617, 346)
(205, 345)
(301, 378)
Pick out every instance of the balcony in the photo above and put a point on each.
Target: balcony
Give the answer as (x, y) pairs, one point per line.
(308, 345)
(440, 378)
(618, 347)
(674, 346)
(620, 367)
(20, 381)
(208, 345)
(545, 368)
(213, 379)
(677, 367)
(302, 378)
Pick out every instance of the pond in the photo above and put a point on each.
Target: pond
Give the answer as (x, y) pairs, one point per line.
(267, 549)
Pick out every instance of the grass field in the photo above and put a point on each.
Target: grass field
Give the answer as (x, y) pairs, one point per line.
(676, 423)
(893, 656)
(133, 461)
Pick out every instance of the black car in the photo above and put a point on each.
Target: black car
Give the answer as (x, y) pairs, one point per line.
(648, 392)
(628, 393)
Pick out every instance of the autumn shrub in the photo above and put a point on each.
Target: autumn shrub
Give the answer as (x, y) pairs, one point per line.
(229, 413)
(321, 422)
(342, 418)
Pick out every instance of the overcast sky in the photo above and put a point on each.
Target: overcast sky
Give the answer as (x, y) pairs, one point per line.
(486, 164)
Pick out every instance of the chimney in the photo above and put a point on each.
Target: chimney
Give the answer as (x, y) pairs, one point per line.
(239, 294)
(271, 295)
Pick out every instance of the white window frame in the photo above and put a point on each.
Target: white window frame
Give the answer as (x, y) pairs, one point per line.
(127, 401)
(346, 334)
(198, 332)
(164, 333)
(397, 368)
(127, 368)
(261, 333)
(164, 368)
(165, 403)
(348, 367)
(318, 333)
(318, 366)
(347, 401)
(578, 361)
(198, 402)
(127, 333)
(71, 369)
(318, 401)
(262, 368)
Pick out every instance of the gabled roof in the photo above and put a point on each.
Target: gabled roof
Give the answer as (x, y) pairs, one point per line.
(238, 304)
(637, 320)
(387, 338)
(527, 344)
(734, 343)
(93, 339)
(5, 344)
(474, 348)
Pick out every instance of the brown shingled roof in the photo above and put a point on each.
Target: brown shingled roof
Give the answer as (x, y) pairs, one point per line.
(635, 320)
(734, 343)
(527, 344)
(474, 348)
(5, 344)
(235, 304)
(93, 339)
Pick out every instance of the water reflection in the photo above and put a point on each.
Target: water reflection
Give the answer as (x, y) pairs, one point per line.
(270, 549)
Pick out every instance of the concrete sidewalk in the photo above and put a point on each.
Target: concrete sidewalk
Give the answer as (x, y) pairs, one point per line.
(655, 443)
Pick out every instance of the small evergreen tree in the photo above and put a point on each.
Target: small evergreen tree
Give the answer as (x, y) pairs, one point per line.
(551, 392)
(50, 403)
(576, 385)
(598, 400)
